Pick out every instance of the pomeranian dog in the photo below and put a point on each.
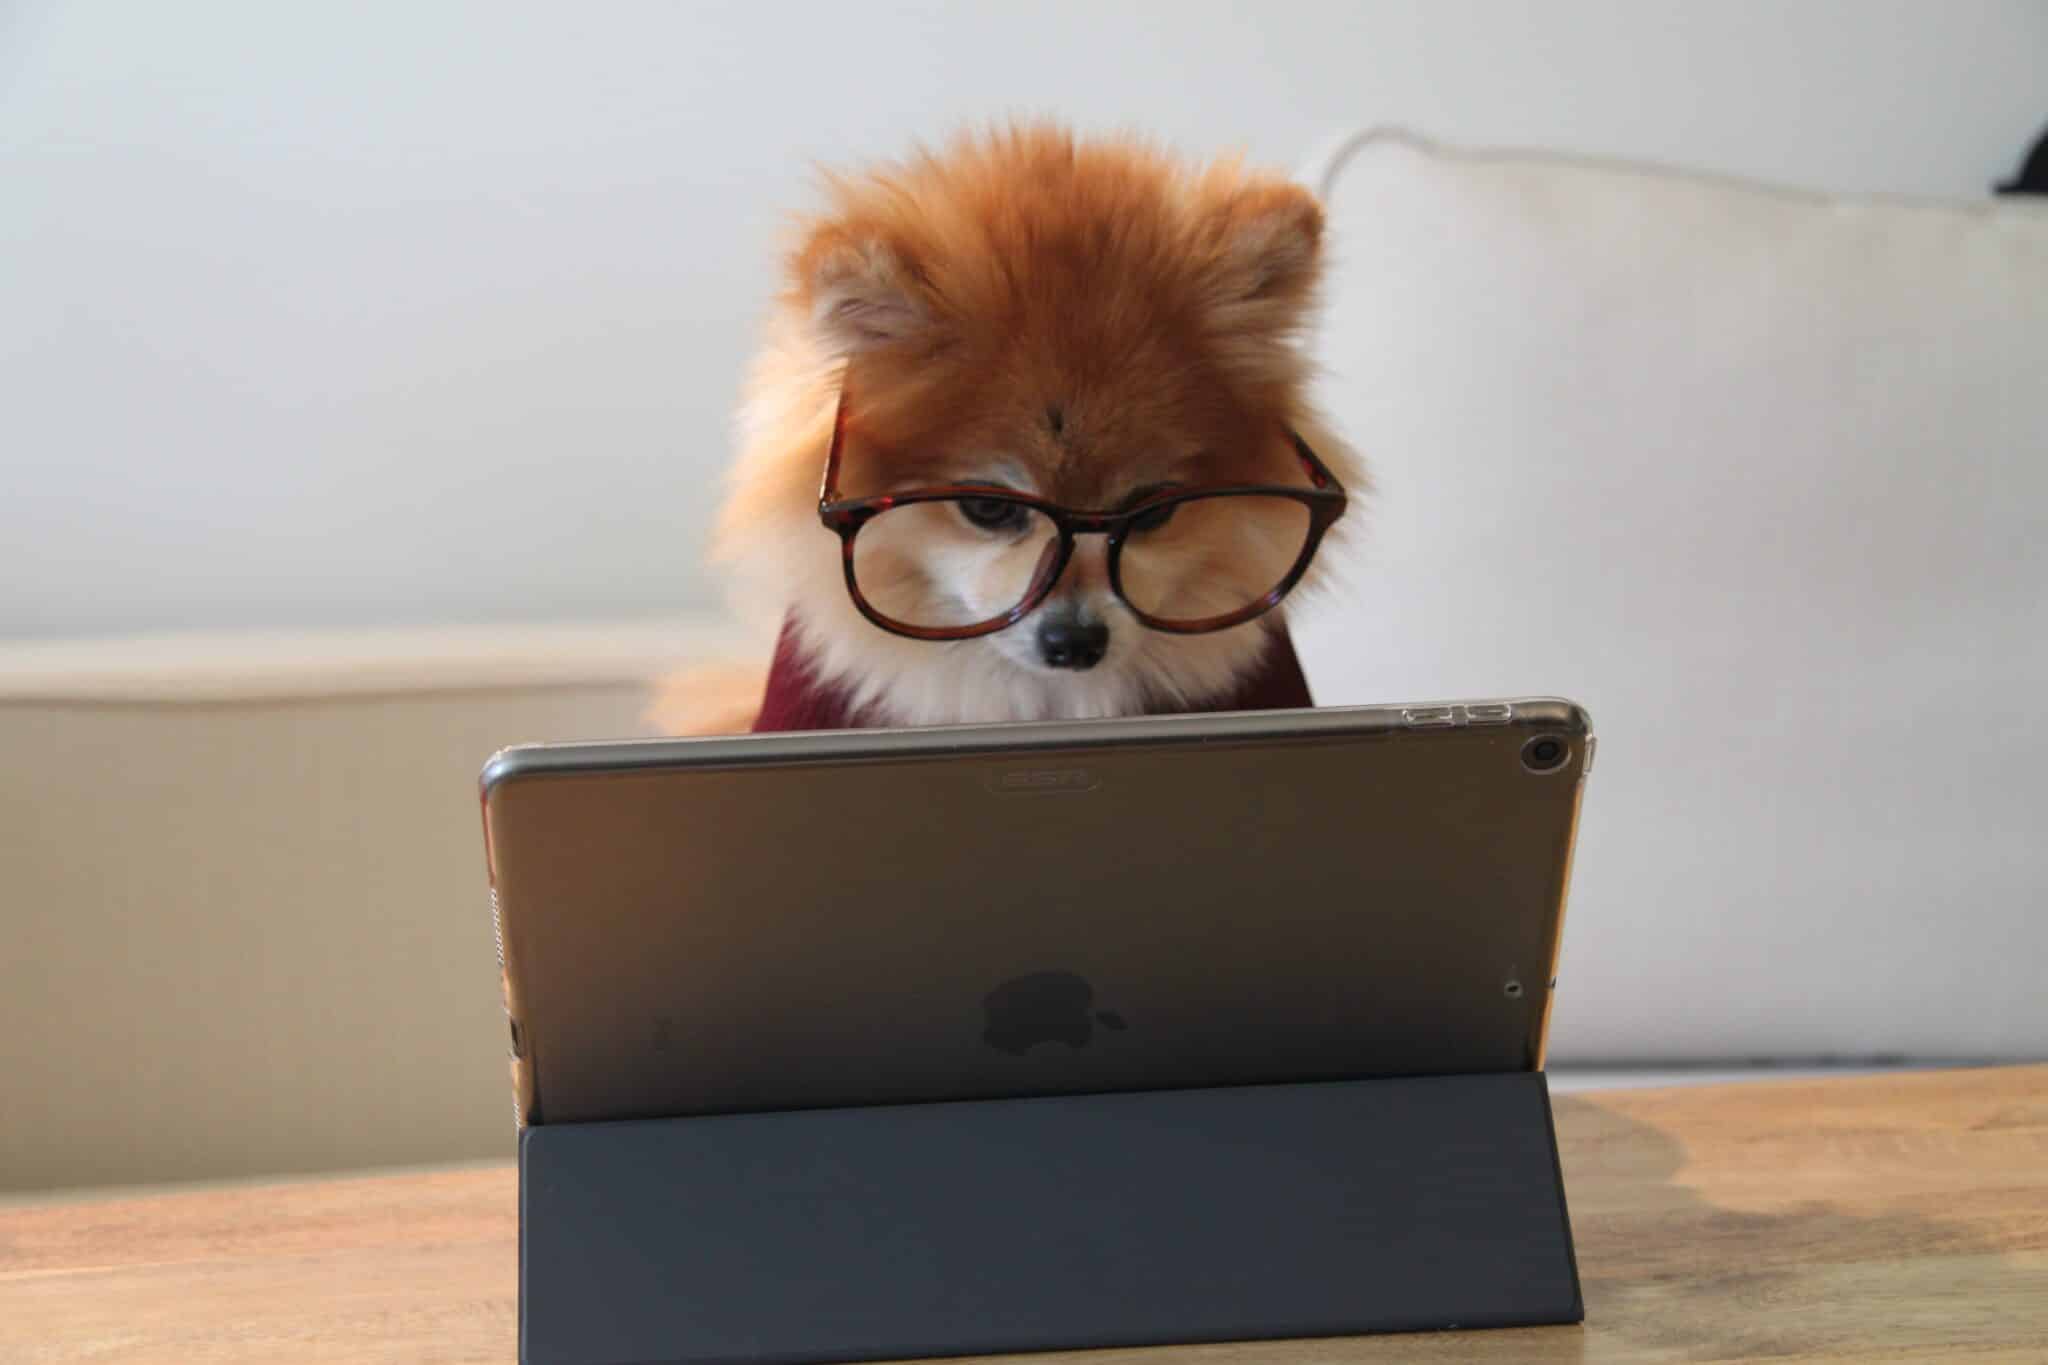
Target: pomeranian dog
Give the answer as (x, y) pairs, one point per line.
(1029, 437)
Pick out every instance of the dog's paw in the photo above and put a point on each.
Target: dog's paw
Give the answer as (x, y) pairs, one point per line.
(711, 699)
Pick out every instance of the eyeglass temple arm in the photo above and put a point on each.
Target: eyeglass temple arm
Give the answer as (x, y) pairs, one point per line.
(828, 487)
(1318, 473)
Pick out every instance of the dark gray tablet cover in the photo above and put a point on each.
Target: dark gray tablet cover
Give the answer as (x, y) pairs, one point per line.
(1071, 1221)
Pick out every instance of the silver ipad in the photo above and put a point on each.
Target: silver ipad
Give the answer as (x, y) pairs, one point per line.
(866, 917)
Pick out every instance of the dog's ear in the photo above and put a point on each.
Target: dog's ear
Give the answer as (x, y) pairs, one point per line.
(861, 292)
(1266, 243)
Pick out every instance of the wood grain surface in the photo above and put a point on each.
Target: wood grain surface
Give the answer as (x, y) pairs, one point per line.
(1900, 1217)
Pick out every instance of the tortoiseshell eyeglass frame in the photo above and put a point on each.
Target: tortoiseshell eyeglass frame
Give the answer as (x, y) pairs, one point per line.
(1325, 500)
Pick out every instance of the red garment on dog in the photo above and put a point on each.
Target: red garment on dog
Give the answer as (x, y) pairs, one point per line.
(797, 700)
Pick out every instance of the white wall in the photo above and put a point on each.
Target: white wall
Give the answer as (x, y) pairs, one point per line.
(432, 312)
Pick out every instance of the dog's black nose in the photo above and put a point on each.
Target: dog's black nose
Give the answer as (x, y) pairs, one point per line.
(1064, 642)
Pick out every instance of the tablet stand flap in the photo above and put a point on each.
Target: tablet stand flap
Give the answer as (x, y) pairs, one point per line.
(1073, 1221)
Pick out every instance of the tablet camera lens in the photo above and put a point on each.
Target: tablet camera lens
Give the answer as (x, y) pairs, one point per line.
(1544, 754)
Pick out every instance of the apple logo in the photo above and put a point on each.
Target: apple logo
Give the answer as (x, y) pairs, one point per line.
(1044, 1007)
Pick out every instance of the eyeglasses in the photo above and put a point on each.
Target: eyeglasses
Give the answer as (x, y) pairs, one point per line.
(957, 561)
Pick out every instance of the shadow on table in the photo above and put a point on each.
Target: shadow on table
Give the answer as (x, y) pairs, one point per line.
(1677, 1277)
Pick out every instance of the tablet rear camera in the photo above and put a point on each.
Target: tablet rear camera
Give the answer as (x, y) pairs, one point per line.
(1545, 754)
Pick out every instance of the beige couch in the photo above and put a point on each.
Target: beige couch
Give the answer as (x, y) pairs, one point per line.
(242, 899)
(1753, 473)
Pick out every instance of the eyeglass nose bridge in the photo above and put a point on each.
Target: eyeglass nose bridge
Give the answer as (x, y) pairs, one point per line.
(1059, 554)
(1095, 523)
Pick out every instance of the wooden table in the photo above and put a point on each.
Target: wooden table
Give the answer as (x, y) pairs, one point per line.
(1895, 1217)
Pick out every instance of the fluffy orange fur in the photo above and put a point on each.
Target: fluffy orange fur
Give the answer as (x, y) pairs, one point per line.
(1080, 318)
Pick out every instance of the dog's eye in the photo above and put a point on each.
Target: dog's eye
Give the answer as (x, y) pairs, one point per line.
(992, 514)
(1157, 517)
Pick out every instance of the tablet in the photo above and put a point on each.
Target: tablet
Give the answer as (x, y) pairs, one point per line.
(788, 921)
